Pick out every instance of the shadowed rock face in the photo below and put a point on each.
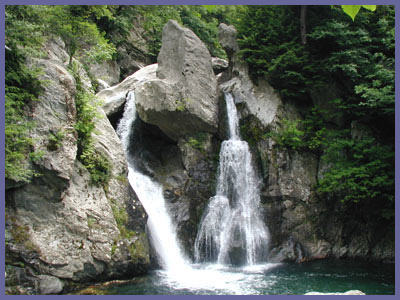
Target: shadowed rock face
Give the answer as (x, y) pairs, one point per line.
(182, 100)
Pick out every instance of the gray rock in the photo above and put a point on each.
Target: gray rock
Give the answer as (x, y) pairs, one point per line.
(289, 251)
(260, 100)
(352, 292)
(183, 98)
(55, 113)
(133, 51)
(49, 285)
(114, 97)
(219, 65)
(107, 72)
(55, 49)
(102, 84)
(60, 224)
(291, 174)
(227, 38)
(23, 281)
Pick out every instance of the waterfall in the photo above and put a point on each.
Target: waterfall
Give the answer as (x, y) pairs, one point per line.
(162, 231)
(232, 230)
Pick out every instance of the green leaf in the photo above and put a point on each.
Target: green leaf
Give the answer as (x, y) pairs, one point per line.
(211, 8)
(351, 10)
(369, 7)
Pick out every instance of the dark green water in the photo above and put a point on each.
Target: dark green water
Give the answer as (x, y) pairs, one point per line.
(281, 279)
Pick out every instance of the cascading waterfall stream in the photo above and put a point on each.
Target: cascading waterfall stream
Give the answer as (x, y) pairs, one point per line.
(232, 230)
(163, 234)
(229, 218)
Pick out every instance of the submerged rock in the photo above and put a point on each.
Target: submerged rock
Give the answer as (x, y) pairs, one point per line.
(289, 251)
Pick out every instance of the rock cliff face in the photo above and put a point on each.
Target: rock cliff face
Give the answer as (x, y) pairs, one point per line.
(60, 225)
(66, 229)
(302, 227)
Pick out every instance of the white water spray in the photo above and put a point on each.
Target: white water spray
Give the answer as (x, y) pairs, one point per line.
(232, 230)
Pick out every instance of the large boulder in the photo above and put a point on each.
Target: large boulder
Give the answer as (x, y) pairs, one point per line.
(227, 38)
(114, 97)
(61, 225)
(182, 100)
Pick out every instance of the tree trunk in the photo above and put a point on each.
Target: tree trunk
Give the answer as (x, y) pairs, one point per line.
(303, 13)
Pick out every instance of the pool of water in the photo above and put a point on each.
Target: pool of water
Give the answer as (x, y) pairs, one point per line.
(267, 279)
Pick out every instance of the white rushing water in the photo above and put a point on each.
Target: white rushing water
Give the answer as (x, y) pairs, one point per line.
(227, 213)
(232, 230)
(149, 192)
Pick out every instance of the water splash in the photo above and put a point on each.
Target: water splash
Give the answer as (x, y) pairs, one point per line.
(232, 230)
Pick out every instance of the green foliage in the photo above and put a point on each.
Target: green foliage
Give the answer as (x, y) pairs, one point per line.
(308, 134)
(314, 130)
(22, 89)
(358, 55)
(352, 10)
(86, 103)
(139, 249)
(194, 143)
(180, 105)
(360, 171)
(91, 222)
(81, 36)
(97, 164)
(251, 132)
(289, 136)
(269, 42)
(198, 142)
(24, 28)
(121, 218)
(30, 25)
(55, 140)
(202, 21)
